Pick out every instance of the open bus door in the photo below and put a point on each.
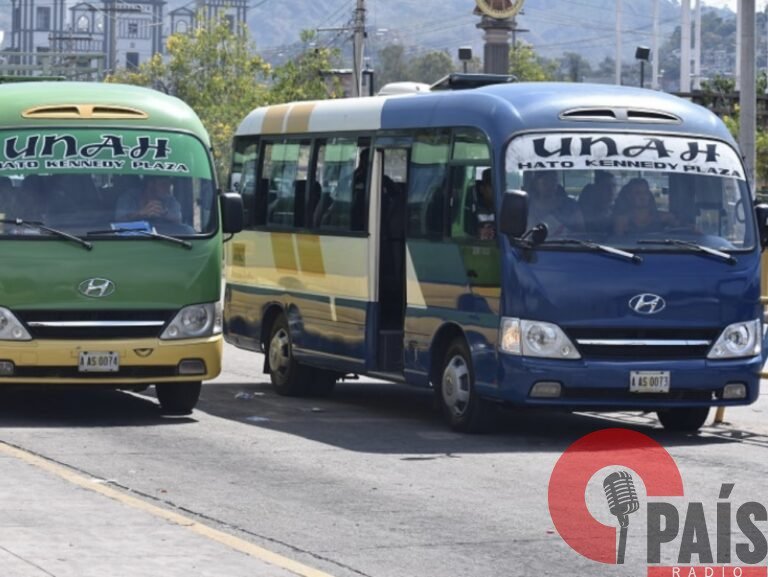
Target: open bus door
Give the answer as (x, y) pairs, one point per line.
(389, 184)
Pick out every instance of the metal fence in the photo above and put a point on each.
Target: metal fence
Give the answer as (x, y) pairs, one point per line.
(87, 66)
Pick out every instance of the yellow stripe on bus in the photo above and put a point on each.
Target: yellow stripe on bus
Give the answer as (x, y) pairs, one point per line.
(298, 117)
(310, 253)
(274, 119)
(282, 251)
(414, 294)
(304, 263)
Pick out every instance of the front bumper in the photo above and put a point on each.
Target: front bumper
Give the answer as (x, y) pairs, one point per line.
(604, 385)
(141, 361)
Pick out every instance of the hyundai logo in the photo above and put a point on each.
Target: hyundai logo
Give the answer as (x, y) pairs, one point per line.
(647, 304)
(96, 287)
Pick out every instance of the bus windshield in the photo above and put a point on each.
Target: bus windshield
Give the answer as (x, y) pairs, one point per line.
(634, 191)
(116, 182)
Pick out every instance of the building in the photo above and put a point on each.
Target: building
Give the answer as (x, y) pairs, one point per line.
(92, 38)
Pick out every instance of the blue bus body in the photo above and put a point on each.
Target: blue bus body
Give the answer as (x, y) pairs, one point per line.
(463, 290)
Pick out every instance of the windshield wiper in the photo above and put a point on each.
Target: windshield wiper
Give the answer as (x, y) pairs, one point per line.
(36, 225)
(151, 234)
(730, 259)
(599, 247)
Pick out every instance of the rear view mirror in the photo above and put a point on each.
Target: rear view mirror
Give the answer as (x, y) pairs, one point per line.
(514, 213)
(231, 212)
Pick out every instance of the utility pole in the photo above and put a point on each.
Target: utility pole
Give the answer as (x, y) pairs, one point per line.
(358, 40)
(111, 11)
(739, 12)
(655, 49)
(697, 46)
(357, 47)
(618, 41)
(685, 47)
(748, 92)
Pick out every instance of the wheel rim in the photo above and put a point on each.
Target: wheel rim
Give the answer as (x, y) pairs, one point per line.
(456, 386)
(280, 352)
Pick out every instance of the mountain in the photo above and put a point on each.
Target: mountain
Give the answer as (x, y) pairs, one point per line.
(553, 27)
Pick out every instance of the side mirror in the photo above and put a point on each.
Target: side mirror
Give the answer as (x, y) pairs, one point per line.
(761, 213)
(514, 213)
(231, 212)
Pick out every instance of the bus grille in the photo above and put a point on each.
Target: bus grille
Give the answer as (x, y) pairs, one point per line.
(132, 371)
(643, 343)
(86, 325)
(602, 396)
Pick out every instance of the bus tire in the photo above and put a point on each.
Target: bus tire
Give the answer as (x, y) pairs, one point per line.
(178, 398)
(688, 420)
(288, 377)
(462, 408)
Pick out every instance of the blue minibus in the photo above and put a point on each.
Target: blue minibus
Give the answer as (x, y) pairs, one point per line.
(573, 246)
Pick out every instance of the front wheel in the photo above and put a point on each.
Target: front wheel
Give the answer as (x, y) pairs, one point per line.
(288, 378)
(178, 398)
(683, 420)
(463, 409)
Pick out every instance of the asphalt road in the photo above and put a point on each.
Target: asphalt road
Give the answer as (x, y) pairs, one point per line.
(368, 482)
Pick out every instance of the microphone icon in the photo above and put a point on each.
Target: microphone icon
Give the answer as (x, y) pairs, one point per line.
(622, 500)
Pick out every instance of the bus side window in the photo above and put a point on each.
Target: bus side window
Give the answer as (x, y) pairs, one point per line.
(245, 161)
(286, 165)
(463, 203)
(427, 184)
(345, 170)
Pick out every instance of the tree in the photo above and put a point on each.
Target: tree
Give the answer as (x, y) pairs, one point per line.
(717, 34)
(302, 77)
(216, 71)
(761, 152)
(528, 66)
(431, 67)
(391, 65)
(574, 67)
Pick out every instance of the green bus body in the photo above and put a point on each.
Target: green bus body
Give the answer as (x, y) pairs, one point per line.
(88, 293)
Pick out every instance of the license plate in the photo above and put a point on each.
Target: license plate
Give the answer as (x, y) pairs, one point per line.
(649, 382)
(99, 362)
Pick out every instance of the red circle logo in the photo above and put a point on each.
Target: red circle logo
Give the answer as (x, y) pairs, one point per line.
(576, 466)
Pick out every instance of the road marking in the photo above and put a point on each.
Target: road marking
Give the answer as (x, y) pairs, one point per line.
(187, 522)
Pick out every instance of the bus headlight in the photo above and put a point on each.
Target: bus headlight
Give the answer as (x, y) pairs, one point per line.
(10, 327)
(535, 339)
(203, 320)
(738, 340)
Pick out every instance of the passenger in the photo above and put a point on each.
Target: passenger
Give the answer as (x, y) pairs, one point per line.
(549, 204)
(484, 211)
(636, 210)
(154, 201)
(596, 203)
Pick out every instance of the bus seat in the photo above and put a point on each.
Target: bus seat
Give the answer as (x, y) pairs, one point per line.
(314, 198)
(299, 205)
(337, 215)
(322, 207)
